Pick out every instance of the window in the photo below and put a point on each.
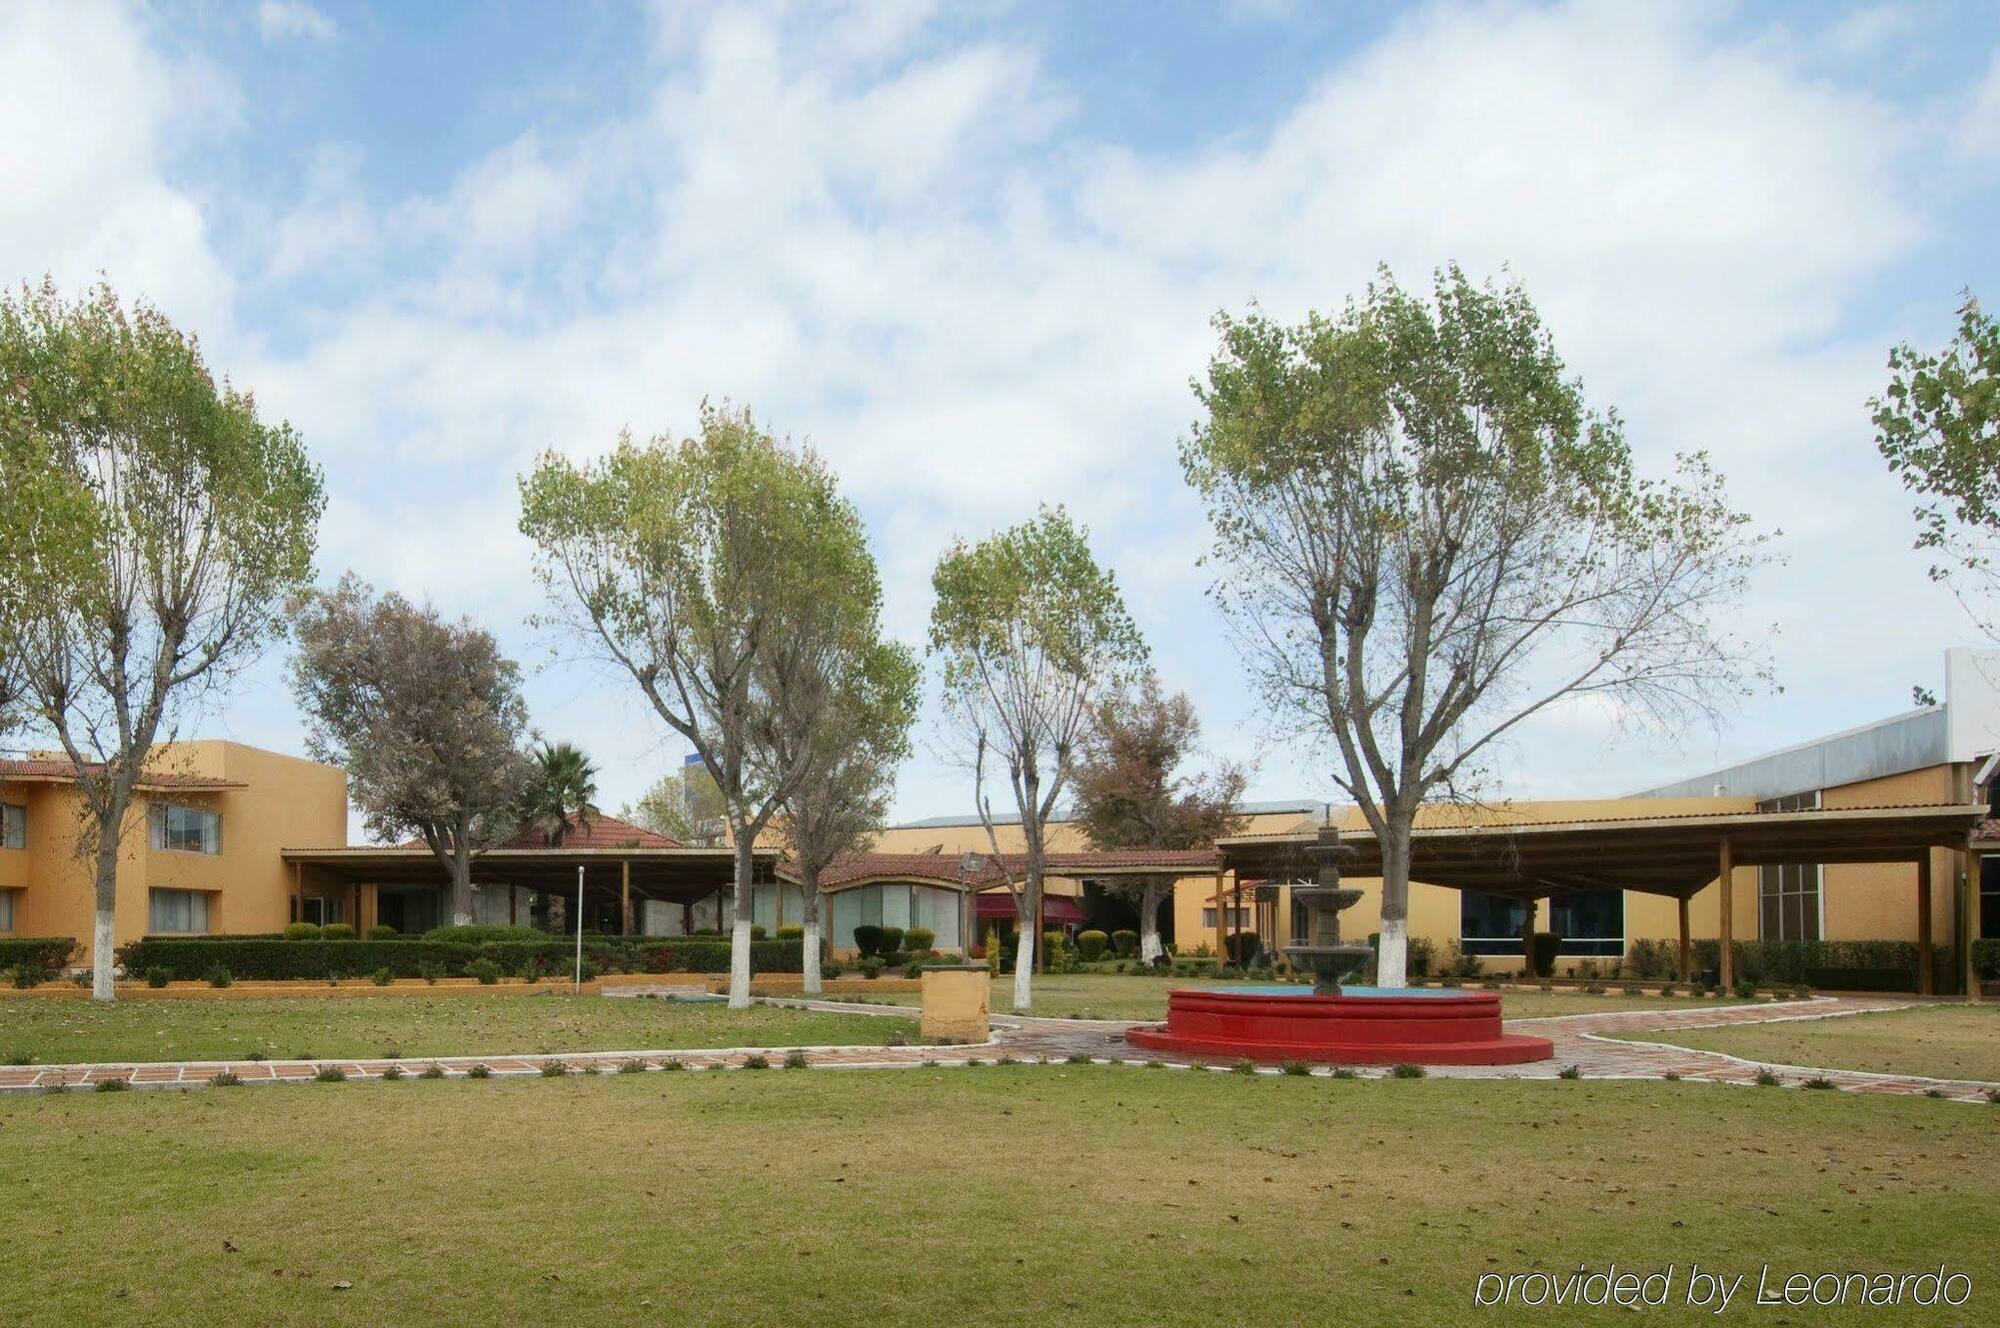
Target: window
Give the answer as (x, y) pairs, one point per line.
(184, 911)
(1989, 896)
(1490, 924)
(1789, 903)
(1239, 919)
(186, 829)
(902, 906)
(13, 826)
(6, 910)
(316, 909)
(1591, 922)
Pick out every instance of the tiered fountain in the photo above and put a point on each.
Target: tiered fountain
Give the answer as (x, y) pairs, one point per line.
(1331, 1022)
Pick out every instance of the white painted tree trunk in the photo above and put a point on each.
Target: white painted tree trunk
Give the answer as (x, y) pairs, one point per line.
(1392, 965)
(809, 968)
(1024, 970)
(1150, 948)
(104, 928)
(739, 931)
(103, 941)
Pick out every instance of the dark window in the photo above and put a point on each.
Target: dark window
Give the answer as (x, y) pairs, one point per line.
(1591, 922)
(1989, 896)
(1490, 924)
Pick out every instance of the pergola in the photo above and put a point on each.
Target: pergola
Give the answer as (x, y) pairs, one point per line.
(673, 875)
(1675, 856)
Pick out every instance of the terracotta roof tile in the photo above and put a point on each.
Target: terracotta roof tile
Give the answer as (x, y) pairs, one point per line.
(41, 769)
(949, 866)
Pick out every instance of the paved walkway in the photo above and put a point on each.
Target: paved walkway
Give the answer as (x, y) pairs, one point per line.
(1580, 1041)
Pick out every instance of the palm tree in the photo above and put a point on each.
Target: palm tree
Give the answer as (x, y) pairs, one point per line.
(561, 792)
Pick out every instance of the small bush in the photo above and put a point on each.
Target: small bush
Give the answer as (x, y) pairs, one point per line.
(1244, 1066)
(756, 1061)
(110, 1086)
(303, 931)
(330, 1074)
(1091, 945)
(1672, 1076)
(994, 957)
(914, 969)
(1818, 1081)
(1634, 989)
(868, 940)
(1570, 1072)
(1407, 1070)
(382, 931)
(1928, 1092)
(756, 931)
(673, 1063)
(1746, 990)
(919, 940)
(1767, 1079)
(1801, 992)
(28, 975)
(1668, 989)
(337, 931)
(791, 931)
(430, 972)
(157, 977)
(485, 970)
(480, 1072)
(1545, 985)
(554, 1069)
(392, 1073)
(1546, 946)
(1296, 1067)
(634, 1066)
(796, 1060)
(871, 967)
(382, 977)
(830, 968)
(219, 976)
(1594, 988)
(225, 1079)
(1344, 1072)
(1125, 942)
(432, 1071)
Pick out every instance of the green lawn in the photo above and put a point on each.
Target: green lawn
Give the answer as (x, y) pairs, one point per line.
(1024, 1195)
(1941, 1042)
(1122, 996)
(55, 1031)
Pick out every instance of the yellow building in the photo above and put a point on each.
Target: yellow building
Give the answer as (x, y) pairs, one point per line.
(199, 854)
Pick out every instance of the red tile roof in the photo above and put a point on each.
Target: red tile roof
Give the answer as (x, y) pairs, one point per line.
(602, 832)
(60, 771)
(948, 867)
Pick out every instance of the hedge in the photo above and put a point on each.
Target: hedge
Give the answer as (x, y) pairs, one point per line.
(190, 959)
(1841, 965)
(50, 953)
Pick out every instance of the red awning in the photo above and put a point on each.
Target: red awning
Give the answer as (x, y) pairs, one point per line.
(1057, 910)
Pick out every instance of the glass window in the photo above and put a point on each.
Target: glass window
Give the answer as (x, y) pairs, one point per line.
(764, 907)
(937, 909)
(186, 829)
(13, 826)
(1788, 893)
(1239, 919)
(1591, 922)
(6, 910)
(183, 911)
(1490, 924)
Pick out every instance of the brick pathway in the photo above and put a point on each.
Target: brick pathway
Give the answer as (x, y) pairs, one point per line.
(1579, 1040)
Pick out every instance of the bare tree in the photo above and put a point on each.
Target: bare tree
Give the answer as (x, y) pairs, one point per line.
(1428, 540)
(1133, 790)
(694, 567)
(426, 715)
(150, 529)
(1029, 628)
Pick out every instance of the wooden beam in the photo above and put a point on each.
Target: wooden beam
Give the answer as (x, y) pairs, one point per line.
(1687, 944)
(1221, 909)
(1725, 878)
(1924, 982)
(1968, 925)
(625, 898)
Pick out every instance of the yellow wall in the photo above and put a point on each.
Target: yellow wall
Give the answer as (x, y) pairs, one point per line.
(285, 802)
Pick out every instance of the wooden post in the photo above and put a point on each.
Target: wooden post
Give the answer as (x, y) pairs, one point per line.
(1687, 944)
(1221, 908)
(1924, 979)
(1726, 878)
(298, 892)
(1968, 926)
(354, 913)
(625, 898)
(513, 905)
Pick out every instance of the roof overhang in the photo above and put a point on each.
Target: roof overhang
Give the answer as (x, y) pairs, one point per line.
(671, 873)
(1665, 855)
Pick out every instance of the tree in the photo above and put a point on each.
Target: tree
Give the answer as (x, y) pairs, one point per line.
(562, 787)
(1938, 427)
(1029, 629)
(1133, 790)
(682, 804)
(425, 714)
(1429, 539)
(844, 799)
(694, 566)
(151, 527)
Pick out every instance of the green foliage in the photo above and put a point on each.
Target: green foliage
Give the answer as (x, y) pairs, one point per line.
(1546, 946)
(560, 793)
(43, 953)
(474, 934)
(111, 1085)
(158, 976)
(554, 1069)
(1300, 1068)
(303, 931)
(870, 967)
(27, 974)
(337, 931)
(1244, 947)
(1126, 942)
(225, 1079)
(1652, 958)
(382, 932)
(791, 931)
(383, 976)
(797, 1060)
(480, 1072)
(756, 1061)
(892, 940)
(1407, 1070)
(1768, 1079)
(1091, 945)
(1570, 1072)
(1745, 989)
(219, 975)
(486, 970)
(330, 1074)
(919, 940)
(868, 940)
(993, 952)
(392, 1072)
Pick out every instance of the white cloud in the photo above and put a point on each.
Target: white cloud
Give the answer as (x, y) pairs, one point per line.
(288, 20)
(1978, 126)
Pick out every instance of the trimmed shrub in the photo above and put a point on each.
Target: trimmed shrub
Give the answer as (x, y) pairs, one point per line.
(1243, 948)
(1746, 990)
(303, 931)
(1547, 945)
(219, 976)
(157, 977)
(188, 958)
(868, 940)
(485, 970)
(51, 954)
(919, 940)
(871, 967)
(477, 934)
(337, 931)
(382, 977)
(993, 955)
(892, 940)
(1125, 942)
(791, 931)
(383, 932)
(1091, 945)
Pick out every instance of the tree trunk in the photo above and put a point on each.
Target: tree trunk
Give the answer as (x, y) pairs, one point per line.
(809, 915)
(1392, 964)
(1150, 948)
(1024, 957)
(739, 932)
(104, 927)
(461, 887)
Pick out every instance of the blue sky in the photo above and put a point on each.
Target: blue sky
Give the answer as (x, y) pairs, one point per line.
(969, 251)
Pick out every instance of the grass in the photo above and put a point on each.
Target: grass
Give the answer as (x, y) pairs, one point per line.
(1940, 1041)
(1123, 996)
(1146, 1198)
(279, 1028)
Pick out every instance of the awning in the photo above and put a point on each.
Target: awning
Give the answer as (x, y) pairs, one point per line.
(1056, 910)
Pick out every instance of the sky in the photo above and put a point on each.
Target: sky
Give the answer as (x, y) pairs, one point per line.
(970, 253)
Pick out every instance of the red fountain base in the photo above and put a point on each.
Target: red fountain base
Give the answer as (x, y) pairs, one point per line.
(1457, 1028)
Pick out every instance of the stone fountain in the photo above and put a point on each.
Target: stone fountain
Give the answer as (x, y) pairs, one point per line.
(1325, 955)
